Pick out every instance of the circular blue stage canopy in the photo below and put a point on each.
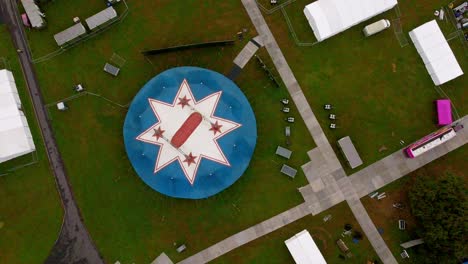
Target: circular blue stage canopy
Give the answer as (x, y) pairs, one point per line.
(190, 133)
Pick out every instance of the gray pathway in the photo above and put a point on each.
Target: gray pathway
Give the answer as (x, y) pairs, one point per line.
(398, 165)
(162, 259)
(74, 244)
(248, 235)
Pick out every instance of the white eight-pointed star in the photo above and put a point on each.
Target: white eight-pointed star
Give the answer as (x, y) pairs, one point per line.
(187, 131)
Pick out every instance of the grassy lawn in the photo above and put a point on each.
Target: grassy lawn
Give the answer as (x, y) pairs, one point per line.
(271, 248)
(385, 216)
(128, 220)
(382, 92)
(30, 211)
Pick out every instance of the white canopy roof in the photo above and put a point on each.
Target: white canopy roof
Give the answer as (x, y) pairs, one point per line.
(435, 52)
(70, 34)
(33, 12)
(304, 250)
(15, 136)
(330, 17)
(101, 17)
(350, 152)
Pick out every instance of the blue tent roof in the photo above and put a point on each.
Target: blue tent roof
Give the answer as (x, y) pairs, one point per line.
(237, 146)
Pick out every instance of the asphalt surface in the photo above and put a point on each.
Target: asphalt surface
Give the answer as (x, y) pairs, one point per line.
(74, 244)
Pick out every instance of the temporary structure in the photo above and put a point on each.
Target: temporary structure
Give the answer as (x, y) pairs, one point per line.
(330, 17)
(101, 18)
(70, 34)
(435, 52)
(303, 249)
(15, 136)
(350, 152)
(34, 13)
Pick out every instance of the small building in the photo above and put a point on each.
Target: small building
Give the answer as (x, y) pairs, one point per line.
(283, 152)
(62, 106)
(15, 137)
(70, 34)
(349, 151)
(304, 250)
(34, 14)
(291, 172)
(111, 69)
(101, 18)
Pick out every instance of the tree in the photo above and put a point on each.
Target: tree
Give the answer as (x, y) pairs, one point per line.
(440, 206)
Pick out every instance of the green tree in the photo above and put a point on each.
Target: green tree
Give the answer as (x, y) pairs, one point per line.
(440, 206)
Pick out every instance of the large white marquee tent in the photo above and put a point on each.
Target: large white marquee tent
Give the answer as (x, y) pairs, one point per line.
(303, 249)
(435, 52)
(330, 17)
(15, 136)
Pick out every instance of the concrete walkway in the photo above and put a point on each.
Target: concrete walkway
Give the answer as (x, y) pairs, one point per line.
(248, 235)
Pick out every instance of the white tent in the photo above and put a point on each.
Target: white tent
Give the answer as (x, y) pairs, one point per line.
(101, 18)
(15, 136)
(330, 17)
(304, 250)
(34, 13)
(70, 34)
(435, 52)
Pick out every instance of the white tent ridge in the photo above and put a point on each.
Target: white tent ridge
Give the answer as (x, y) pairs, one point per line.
(330, 17)
(101, 18)
(303, 249)
(34, 13)
(435, 52)
(15, 137)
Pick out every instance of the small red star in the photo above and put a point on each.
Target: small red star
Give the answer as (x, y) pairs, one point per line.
(184, 101)
(215, 127)
(158, 133)
(190, 159)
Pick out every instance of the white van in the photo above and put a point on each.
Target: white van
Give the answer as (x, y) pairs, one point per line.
(376, 27)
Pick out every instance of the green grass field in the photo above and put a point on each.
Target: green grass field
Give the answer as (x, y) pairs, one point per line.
(129, 221)
(30, 210)
(271, 248)
(382, 92)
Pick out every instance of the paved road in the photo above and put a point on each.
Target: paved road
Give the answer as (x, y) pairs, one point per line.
(74, 244)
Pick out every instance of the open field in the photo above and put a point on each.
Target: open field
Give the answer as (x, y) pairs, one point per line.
(30, 208)
(382, 92)
(271, 248)
(385, 216)
(129, 221)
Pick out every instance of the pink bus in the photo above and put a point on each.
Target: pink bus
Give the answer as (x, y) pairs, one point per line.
(430, 141)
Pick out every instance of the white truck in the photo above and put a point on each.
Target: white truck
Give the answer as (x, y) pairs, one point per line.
(376, 27)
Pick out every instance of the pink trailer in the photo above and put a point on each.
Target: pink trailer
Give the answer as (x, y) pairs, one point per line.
(25, 19)
(444, 112)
